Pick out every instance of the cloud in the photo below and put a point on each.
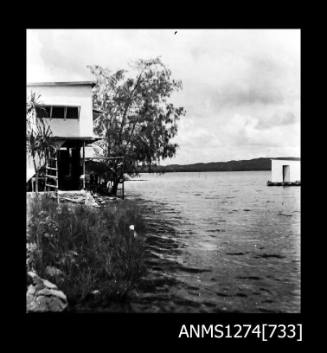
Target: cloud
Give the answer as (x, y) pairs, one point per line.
(234, 95)
(277, 119)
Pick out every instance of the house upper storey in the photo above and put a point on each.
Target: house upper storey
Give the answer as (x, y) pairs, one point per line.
(66, 106)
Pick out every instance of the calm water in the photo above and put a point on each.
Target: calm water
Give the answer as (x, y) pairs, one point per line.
(218, 241)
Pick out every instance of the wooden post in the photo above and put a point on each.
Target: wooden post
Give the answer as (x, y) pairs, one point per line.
(57, 179)
(84, 165)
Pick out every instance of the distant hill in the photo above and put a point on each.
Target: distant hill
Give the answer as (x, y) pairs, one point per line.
(242, 165)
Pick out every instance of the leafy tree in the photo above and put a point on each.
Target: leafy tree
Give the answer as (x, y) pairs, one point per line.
(38, 135)
(137, 120)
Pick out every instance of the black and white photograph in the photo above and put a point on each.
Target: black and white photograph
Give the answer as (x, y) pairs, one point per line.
(163, 171)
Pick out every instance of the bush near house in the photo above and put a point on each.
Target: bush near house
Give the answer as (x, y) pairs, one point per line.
(91, 249)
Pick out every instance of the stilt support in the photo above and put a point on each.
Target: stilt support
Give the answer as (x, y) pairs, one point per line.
(83, 165)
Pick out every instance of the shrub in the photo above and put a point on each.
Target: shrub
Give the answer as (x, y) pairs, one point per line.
(94, 248)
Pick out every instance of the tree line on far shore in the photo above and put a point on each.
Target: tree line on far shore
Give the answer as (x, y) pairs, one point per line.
(242, 165)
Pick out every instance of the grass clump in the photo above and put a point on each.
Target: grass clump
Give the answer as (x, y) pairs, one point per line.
(93, 249)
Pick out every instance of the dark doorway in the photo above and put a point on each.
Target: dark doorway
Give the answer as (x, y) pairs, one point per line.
(69, 168)
(286, 174)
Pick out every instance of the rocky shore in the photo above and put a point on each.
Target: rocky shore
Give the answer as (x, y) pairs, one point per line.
(43, 296)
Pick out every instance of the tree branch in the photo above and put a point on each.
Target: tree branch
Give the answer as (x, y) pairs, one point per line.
(128, 105)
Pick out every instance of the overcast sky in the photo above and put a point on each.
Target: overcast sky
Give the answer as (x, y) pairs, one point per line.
(241, 88)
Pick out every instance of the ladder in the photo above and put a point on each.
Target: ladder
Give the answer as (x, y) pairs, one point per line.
(51, 172)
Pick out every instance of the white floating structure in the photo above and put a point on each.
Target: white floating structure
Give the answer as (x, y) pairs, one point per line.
(285, 172)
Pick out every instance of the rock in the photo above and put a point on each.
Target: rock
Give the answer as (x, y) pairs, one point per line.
(31, 290)
(48, 284)
(45, 304)
(33, 278)
(52, 292)
(43, 296)
(29, 280)
(32, 275)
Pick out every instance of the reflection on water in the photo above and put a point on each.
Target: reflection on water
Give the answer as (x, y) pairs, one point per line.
(218, 241)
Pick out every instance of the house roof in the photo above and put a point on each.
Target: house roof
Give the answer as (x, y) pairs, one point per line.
(69, 83)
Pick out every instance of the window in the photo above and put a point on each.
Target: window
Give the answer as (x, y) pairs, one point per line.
(43, 111)
(57, 112)
(72, 113)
